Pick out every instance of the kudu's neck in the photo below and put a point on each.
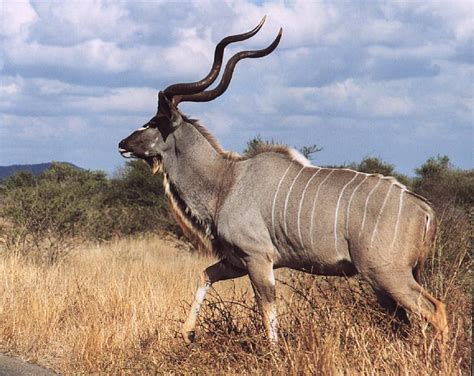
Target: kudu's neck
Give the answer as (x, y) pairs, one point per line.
(199, 175)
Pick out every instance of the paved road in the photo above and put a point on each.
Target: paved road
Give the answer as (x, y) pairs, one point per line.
(17, 367)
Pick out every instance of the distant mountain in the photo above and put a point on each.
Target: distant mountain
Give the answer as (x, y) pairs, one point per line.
(35, 169)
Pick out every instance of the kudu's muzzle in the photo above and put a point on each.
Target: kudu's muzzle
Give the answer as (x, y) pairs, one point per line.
(123, 150)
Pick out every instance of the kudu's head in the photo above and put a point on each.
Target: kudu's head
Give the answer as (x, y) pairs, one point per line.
(150, 142)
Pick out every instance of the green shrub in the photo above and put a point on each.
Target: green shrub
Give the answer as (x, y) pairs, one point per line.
(375, 165)
(141, 194)
(443, 184)
(257, 142)
(50, 214)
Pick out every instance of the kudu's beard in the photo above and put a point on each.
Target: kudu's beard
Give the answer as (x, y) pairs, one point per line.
(155, 163)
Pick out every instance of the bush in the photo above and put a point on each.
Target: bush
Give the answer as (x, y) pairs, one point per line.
(443, 184)
(141, 195)
(256, 143)
(375, 165)
(46, 216)
(48, 212)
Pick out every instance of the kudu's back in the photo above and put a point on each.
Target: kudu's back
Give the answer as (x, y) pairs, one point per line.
(334, 221)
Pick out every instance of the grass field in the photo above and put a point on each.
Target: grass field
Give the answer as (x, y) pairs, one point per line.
(117, 309)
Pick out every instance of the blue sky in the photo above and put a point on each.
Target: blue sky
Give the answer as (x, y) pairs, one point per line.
(388, 79)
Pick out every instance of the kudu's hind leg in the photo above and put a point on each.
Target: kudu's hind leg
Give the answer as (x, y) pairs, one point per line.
(263, 283)
(400, 322)
(393, 308)
(404, 289)
(220, 271)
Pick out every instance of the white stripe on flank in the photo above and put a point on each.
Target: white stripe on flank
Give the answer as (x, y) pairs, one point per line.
(337, 209)
(299, 211)
(314, 206)
(288, 197)
(400, 203)
(380, 215)
(365, 207)
(275, 197)
(349, 204)
(427, 227)
(143, 128)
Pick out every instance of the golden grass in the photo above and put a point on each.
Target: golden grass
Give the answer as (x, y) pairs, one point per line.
(117, 309)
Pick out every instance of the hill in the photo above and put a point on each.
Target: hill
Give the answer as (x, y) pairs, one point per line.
(35, 169)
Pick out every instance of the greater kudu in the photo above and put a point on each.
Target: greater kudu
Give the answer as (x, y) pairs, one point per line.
(274, 209)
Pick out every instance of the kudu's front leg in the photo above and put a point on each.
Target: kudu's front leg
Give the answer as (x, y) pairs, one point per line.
(220, 271)
(263, 282)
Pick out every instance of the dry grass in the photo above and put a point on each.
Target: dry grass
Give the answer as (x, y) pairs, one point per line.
(117, 308)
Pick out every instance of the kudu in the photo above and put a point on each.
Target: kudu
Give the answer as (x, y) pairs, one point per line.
(274, 209)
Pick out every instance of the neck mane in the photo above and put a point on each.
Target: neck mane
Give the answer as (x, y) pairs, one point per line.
(200, 232)
(263, 147)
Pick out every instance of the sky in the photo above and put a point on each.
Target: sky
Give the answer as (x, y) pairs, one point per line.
(391, 79)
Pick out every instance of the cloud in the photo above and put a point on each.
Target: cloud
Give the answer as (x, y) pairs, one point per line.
(80, 21)
(125, 100)
(45, 97)
(39, 128)
(20, 15)
(401, 68)
(93, 54)
(340, 99)
(75, 75)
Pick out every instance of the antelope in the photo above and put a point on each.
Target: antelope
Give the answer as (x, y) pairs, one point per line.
(274, 209)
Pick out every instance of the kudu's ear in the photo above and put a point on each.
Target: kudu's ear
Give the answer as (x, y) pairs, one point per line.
(167, 108)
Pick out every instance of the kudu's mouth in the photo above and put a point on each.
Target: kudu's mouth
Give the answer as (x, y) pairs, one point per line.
(126, 154)
(154, 162)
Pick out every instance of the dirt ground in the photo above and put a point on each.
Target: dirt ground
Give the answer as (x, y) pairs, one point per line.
(16, 367)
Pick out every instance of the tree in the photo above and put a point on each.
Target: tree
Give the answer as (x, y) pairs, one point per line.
(47, 215)
(47, 212)
(136, 185)
(256, 143)
(20, 179)
(434, 168)
(308, 151)
(375, 165)
(443, 184)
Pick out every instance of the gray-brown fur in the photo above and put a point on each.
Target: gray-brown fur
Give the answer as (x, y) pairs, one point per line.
(272, 209)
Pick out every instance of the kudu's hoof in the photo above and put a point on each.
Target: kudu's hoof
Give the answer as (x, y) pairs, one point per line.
(189, 337)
